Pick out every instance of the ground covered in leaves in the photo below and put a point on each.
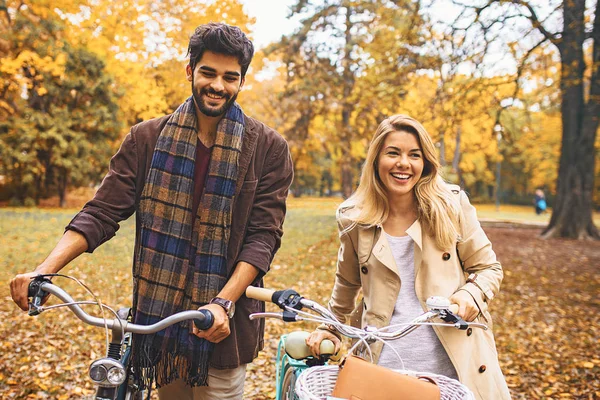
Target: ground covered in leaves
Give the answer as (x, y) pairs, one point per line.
(547, 323)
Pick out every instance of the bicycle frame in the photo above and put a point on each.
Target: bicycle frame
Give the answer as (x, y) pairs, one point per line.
(283, 363)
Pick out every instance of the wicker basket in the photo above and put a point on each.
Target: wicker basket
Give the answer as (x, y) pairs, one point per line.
(317, 383)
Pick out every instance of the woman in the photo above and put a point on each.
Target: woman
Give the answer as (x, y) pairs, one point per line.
(406, 235)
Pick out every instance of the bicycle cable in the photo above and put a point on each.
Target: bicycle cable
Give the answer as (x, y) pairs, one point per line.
(97, 301)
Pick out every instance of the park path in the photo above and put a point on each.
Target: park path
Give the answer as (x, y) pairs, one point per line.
(547, 315)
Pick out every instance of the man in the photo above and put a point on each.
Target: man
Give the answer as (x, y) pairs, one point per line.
(208, 185)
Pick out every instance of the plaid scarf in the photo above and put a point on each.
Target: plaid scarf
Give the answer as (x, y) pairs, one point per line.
(181, 263)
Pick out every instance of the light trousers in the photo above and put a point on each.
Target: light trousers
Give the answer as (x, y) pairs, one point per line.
(223, 384)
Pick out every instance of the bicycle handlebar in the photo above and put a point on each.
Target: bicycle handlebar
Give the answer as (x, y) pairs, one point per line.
(203, 319)
(290, 301)
(270, 295)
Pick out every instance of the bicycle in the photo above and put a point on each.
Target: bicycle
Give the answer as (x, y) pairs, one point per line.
(304, 378)
(113, 373)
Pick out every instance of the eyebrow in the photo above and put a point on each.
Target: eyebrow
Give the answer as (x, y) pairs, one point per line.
(209, 69)
(397, 148)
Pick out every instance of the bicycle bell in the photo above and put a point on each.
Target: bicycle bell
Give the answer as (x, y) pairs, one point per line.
(438, 303)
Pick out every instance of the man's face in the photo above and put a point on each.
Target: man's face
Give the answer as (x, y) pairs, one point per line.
(216, 82)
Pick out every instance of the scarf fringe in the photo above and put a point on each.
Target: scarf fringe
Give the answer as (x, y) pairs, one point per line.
(158, 365)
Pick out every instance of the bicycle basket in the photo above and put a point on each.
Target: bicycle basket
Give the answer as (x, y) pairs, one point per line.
(317, 383)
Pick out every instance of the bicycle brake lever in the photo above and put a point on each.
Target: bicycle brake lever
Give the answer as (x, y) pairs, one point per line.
(288, 316)
(37, 294)
(460, 323)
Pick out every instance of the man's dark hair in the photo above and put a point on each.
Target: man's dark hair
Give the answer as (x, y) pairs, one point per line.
(222, 39)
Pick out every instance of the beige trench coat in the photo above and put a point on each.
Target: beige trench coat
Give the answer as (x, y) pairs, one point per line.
(366, 261)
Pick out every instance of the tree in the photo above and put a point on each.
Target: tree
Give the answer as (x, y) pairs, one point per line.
(563, 25)
(354, 74)
(59, 110)
(75, 73)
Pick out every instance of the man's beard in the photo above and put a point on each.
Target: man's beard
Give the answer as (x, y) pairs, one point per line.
(206, 109)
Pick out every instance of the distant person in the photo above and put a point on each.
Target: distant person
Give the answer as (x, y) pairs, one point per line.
(539, 201)
(406, 235)
(208, 185)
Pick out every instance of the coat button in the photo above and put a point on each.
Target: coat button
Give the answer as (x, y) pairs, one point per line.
(469, 331)
(446, 256)
(364, 270)
(482, 369)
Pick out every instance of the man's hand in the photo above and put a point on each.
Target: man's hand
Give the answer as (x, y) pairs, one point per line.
(19, 287)
(71, 245)
(220, 329)
(467, 308)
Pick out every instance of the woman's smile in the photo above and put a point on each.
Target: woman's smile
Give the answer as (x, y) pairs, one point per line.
(400, 163)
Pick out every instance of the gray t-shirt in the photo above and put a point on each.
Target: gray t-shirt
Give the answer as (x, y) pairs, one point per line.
(421, 349)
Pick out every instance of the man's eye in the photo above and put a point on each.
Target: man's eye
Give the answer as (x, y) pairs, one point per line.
(230, 79)
(208, 74)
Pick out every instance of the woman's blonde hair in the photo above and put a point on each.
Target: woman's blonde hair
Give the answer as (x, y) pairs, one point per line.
(437, 207)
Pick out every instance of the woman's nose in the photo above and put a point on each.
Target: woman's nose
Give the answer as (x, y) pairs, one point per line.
(402, 161)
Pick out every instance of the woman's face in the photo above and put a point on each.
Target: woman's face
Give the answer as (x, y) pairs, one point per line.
(400, 164)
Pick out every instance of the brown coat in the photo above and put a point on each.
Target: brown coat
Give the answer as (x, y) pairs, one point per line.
(366, 261)
(265, 174)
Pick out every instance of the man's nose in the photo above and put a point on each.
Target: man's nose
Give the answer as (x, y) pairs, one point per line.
(217, 84)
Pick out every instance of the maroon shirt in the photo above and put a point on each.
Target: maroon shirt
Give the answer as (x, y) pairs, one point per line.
(200, 172)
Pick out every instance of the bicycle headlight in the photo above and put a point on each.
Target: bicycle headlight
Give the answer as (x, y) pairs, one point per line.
(107, 372)
(116, 375)
(97, 372)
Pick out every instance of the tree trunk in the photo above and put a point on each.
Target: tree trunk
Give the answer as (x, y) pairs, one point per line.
(63, 178)
(572, 211)
(442, 150)
(456, 159)
(347, 161)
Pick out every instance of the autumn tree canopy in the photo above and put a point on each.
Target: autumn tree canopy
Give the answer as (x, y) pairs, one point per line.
(76, 76)
(570, 31)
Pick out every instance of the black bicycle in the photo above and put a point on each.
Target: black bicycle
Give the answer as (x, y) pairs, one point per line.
(113, 373)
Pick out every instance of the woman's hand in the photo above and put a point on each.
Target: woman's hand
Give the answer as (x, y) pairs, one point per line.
(467, 308)
(317, 336)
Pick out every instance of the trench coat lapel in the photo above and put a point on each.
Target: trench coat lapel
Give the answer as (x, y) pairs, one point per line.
(381, 248)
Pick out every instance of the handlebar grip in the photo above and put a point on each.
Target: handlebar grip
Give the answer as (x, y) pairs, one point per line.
(261, 294)
(205, 323)
(453, 308)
